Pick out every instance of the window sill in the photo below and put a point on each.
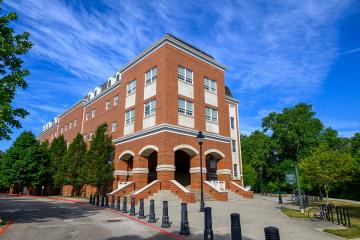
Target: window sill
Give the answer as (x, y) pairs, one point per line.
(183, 114)
(127, 124)
(129, 94)
(211, 92)
(190, 84)
(149, 116)
(217, 123)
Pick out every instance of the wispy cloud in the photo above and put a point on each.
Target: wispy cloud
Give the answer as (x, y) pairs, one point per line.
(350, 51)
(277, 52)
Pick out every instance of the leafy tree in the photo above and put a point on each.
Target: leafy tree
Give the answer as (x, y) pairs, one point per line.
(296, 131)
(73, 163)
(12, 73)
(25, 163)
(250, 175)
(99, 159)
(57, 151)
(326, 166)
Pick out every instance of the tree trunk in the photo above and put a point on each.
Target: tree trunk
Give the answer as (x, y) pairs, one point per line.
(326, 187)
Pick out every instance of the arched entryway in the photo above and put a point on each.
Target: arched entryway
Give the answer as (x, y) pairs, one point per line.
(212, 158)
(183, 154)
(128, 158)
(150, 152)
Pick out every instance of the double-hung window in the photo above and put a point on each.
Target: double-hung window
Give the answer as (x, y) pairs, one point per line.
(235, 170)
(185, 75)
(130, 116)
(186, 107)
(232, 122)
(93, 113)
(150, 108)
(87, 116)
(210, 85)
(107, 104)
(151, 76)
(75, 122)
(211, 115)
(85, 137)
(113, 129)
(131, 87)
(70, 125)
(233, 145)
(116, 100)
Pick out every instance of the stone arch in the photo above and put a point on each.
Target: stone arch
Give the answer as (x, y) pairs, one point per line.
(147, 150)
(216, 153)
(186, 148)
(126, 155)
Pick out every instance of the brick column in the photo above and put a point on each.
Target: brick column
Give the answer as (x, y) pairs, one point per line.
(195, 171)
(165, 167)
(140, 172)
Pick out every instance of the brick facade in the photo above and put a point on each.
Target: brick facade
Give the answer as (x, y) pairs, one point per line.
(167, 149)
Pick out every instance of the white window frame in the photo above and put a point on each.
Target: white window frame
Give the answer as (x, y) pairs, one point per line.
(113, 127)
(235, 170)
(87, 116)
(150, 108)
(66, 128)
(130, 116)
(211, 115)
(210, 85)
(116, 100)
(131, 87)
(107, 105)
(93, 112)
(233, 146)
(187, 109)
(75, 122)
(62, 130)
(185, 78)
(91, 136)
(151, 76)
(85, 137)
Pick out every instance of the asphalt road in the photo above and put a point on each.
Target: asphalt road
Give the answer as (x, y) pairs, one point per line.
(44, 219)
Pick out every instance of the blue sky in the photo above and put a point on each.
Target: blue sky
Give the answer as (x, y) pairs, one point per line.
(278, 53)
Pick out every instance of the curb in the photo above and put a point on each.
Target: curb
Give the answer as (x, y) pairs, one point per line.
(6, 227)
(175, 236)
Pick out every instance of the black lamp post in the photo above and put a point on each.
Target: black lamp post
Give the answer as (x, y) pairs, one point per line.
(200, 139)
(278, 174)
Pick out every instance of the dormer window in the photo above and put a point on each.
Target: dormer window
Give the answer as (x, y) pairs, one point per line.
(151, 76)
(131, 87)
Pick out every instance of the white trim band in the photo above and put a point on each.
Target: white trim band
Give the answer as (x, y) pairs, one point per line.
(223, 171)
(165, 168)
(140, 170)
(121, 173)
(197, 170)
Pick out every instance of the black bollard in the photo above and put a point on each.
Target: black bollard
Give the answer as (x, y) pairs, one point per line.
(118, 203)
(90, 199)
(235, 226)
(348, 217)
(106, 201)
(208, 232)
(97, 199)
(141, 209)
(271, 233)
(94, 200)
(337, 215)
(152, 212)
(165, 218)
(184, 230)
(102, 201)
(132, 207)
(112, 202)
(124, 208)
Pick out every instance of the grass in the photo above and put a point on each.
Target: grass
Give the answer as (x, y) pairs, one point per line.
(348, 233)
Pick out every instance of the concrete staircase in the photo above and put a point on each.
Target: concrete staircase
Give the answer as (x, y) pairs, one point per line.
(233, 196)
(165, 195)
(197, 192)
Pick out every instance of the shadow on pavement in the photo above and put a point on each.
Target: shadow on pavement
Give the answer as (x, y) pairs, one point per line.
(162, 236)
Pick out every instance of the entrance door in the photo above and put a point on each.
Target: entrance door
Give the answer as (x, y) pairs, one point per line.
(182, 168)
(152, 163)
(210, 168)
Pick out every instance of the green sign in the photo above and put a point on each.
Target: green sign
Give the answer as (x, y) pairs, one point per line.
(290, 177)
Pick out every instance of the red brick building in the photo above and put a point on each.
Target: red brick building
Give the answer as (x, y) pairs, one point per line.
(154, 107)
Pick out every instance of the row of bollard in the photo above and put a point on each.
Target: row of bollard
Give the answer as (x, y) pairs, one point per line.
(271, 233)
(165, 223)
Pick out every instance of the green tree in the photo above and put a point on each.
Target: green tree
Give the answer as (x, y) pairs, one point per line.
(73, 163)
(295, 130)
(57, 151)
(12, 73)
(250, 175)
(25, 163)
(326, 166)
(99, 159)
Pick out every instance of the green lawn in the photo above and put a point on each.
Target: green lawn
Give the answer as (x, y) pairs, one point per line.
(349, 233)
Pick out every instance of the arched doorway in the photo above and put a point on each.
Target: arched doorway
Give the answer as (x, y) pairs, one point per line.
(213, 156)
(150, 153)
(182, 168)
(128, 158)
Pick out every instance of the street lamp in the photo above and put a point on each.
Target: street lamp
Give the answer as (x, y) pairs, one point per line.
(275, 154)
(200, 139)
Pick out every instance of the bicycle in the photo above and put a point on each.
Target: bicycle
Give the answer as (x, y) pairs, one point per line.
(316, 214)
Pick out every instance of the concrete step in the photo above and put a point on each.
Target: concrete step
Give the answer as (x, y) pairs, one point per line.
(197, 193)
(165, 195)
(234, 197)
